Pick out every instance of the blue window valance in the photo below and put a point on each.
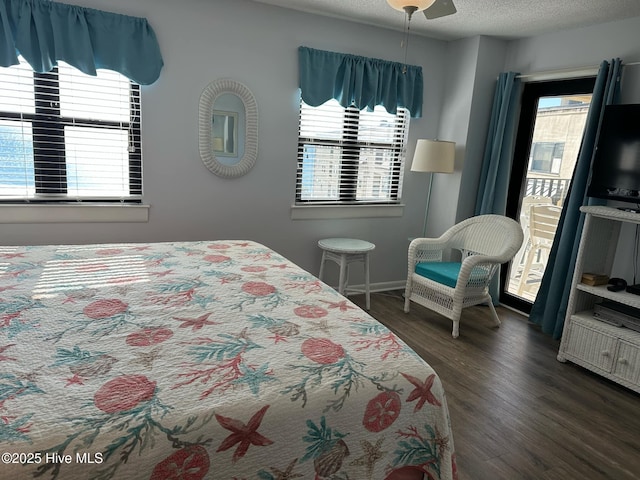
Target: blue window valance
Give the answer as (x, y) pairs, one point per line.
(359, 81)
(44, 32)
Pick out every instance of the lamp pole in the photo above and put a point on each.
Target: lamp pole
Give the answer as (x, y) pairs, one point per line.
(426, 210)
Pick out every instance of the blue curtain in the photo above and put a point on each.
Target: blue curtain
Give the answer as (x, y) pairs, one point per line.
(44, 32)
(550, 306)
(359, 81)
(498, 155)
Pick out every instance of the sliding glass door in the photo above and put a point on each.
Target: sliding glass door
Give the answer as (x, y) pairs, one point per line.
(550, 130)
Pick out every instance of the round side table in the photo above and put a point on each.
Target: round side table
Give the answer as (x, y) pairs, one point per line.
(344, 251)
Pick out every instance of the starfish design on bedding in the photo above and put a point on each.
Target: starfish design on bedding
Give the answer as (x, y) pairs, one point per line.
(76, 379)
(372, 454)
(244, 435)
(195, 323)
(422, 392)
(343, 306)
(254, 377)
(277, 338)
(286, 474)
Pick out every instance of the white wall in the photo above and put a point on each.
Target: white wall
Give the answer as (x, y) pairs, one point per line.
(582, 47)
(203, 40)
(474, 65)
(453, 127)
(579, 47)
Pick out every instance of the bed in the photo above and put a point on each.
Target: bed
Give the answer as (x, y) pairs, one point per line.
(217, 360)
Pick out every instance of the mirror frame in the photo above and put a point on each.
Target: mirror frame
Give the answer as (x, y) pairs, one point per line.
(205, 115)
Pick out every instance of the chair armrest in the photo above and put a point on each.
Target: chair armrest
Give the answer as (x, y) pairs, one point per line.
(426, 250)
(427, 244)
(423, 249)
(490, 264)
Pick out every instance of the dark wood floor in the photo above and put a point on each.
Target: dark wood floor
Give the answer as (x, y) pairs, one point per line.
(516, 412)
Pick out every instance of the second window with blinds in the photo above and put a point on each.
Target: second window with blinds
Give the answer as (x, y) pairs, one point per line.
(67, 136)
(350, 156)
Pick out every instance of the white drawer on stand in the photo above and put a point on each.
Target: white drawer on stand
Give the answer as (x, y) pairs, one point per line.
(592, 346)
(627, 365)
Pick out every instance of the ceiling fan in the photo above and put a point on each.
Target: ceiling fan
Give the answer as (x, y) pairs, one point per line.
(431, 8)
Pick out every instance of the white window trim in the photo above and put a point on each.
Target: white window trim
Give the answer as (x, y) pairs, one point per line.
(74, 213)
(318, 212)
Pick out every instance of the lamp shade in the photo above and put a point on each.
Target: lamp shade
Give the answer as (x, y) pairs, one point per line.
(419, 4)
(434, 156)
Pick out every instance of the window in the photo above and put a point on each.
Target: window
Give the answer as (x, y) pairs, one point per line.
(347, 156)
(68, 136)
(546, 157)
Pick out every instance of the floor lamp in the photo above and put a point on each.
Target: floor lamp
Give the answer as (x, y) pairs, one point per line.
(433, 156)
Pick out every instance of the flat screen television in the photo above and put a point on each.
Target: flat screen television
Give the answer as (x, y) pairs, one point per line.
(615, 173)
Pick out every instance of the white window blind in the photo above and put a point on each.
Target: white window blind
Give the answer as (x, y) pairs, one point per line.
(350, 156)
(68, 136)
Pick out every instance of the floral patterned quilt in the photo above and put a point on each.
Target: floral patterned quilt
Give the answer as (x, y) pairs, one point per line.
(216, 360)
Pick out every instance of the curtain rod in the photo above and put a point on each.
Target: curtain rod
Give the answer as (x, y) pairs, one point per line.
(566, 73)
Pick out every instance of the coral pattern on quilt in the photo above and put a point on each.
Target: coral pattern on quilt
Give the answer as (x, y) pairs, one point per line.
(203, 360)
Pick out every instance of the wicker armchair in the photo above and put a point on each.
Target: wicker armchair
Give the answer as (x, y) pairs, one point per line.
(446, 287)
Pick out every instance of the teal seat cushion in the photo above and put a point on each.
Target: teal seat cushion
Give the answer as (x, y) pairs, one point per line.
(445, 273)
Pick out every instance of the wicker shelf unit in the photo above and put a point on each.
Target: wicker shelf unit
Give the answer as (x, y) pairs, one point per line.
(608, 350)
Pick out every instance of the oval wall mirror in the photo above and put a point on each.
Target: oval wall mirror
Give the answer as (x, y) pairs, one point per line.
(228, 128)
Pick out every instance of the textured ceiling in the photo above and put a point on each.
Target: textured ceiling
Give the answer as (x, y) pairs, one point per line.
(507, 19)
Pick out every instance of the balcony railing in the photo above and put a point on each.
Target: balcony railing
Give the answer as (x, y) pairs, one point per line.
(555, 188)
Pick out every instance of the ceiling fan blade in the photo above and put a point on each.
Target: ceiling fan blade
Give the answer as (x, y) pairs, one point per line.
(441, 8)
